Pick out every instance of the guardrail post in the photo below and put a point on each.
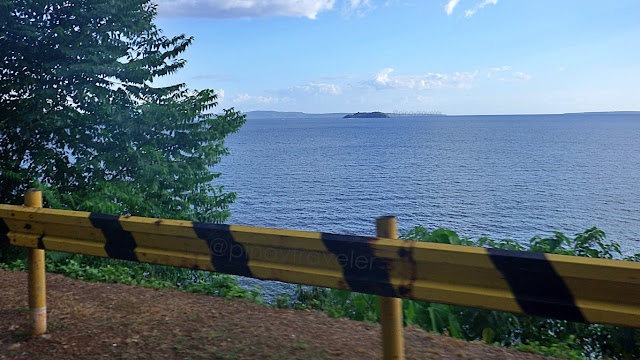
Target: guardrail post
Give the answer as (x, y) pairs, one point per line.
(390, 308)
(36, 266)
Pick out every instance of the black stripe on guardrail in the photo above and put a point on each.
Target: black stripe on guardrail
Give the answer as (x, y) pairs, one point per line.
(120, 244)
(362, 270)
(41, 242)
(538, 289)
(4, 230)
(227, 255)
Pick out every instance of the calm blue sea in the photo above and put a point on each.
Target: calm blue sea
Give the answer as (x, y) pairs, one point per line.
(497, 176)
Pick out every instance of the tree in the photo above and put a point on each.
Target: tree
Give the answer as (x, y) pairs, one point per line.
(81, 119)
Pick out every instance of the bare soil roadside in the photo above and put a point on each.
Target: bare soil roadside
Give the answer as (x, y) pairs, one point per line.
(114, 321)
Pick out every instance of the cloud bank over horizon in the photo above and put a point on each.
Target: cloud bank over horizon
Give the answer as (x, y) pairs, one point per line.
(421, 88)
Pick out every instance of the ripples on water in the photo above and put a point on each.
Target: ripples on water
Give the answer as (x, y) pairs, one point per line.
(496, 176)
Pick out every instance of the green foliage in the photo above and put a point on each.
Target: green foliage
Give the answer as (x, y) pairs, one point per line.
(81, 120)
(441, 236)
(336, 303)
(114, 271)
(356, 306)
(222, 285)
(561, 350)
(88, 268)
(590, 243)
(15, 265)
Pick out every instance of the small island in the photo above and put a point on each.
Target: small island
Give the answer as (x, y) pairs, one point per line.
(360, 115)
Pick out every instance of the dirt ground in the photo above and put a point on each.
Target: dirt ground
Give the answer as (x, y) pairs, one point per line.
(114, 321)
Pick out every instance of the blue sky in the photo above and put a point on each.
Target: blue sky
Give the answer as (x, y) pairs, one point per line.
(457, 57)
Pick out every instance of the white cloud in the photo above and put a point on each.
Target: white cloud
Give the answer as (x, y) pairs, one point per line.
(514, 76)
(318, 88)
(354, 4)
(220, 93)
(450, 6)
(223, 9)
(342, 77)
(358, 7)
(522, 76)
(501, 68)
(384, 80)
(497, 69)
(517, 76)
(470, 12)
(246, 98)
(311, 88)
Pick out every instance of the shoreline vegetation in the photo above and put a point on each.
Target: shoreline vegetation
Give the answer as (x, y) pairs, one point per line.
(548, 337)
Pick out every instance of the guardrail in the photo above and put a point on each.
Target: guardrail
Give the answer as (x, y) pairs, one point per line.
(546, 285)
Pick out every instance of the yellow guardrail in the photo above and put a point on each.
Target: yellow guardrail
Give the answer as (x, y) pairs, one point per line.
(546, 285)
(555, 286)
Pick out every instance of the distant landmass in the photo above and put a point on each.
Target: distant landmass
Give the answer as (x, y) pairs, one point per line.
(275, 114)
(397, 114)
(361, 115)
(606, 113)
(288, 115)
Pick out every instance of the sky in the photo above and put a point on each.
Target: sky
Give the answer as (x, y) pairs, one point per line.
(459, 57)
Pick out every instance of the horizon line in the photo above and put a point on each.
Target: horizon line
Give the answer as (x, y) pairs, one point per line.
(620, 112)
